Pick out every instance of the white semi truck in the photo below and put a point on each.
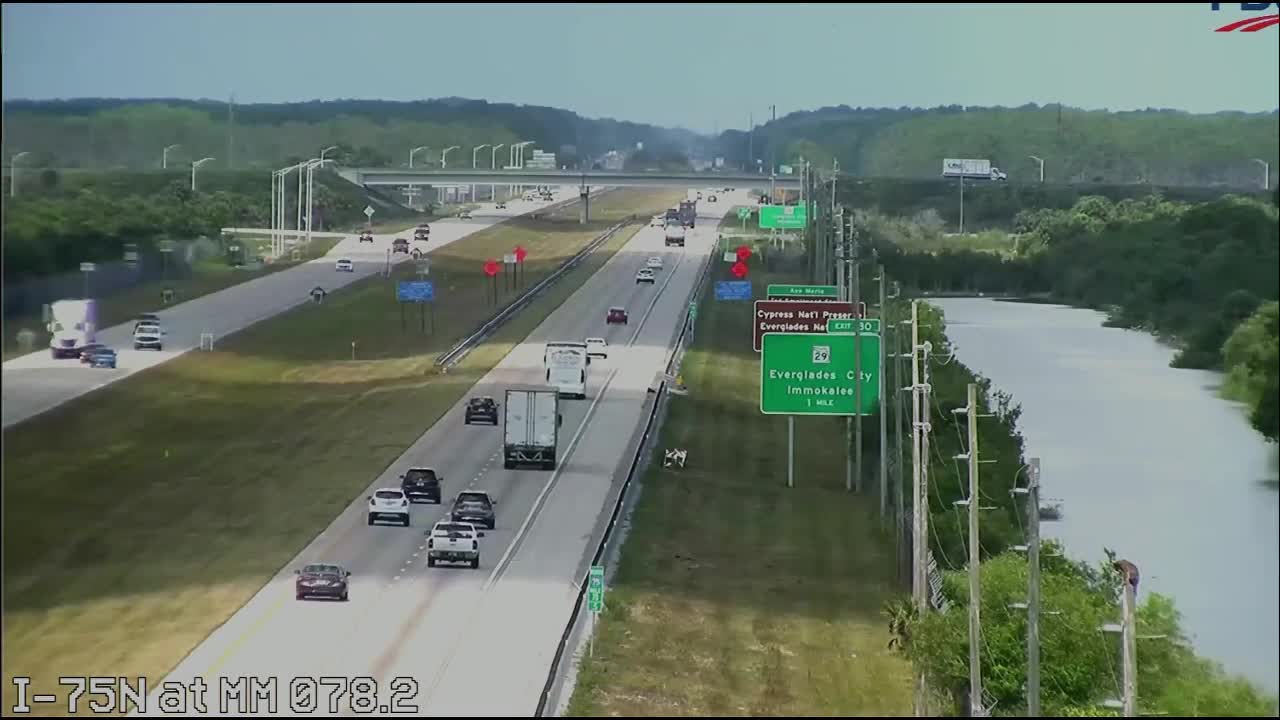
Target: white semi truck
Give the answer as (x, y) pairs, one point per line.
(73, 324)
(673, 234)
(531, 429)
(971, 169)
(565, 365)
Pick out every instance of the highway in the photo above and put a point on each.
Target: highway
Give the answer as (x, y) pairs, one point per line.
(453, 640)
(35, 383)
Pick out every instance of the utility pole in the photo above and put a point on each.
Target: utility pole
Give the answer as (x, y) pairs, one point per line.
(919, 499)
(893, 334)
(857, 359)
(1033, 589)
(1128, 638)
(974, 504)
(749, 165)
(231, 126)
(884, 404)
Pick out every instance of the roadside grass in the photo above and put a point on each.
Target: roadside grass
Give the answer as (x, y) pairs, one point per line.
(189, 485)
(735, 595)
(206, 277)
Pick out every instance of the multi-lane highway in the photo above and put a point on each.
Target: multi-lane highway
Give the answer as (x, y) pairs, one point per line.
(35, 382)
(452, 640)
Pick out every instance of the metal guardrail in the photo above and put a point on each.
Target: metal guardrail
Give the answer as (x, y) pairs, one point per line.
(636, 462)
(465, 345)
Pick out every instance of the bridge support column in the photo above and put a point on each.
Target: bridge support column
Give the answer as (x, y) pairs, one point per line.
(584, 194)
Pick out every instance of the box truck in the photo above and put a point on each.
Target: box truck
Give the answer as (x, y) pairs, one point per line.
(73, 324)
(531, 429)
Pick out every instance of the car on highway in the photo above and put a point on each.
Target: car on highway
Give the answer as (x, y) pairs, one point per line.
(103, 357)
(645, 275)
(464, 215)
(366, 237)
(481, 408)
(344, 265)
(475, 507)
(453, 542)
(597, 347)
(499, 206)
(616, 315)
(421, 483)
(147, 317)
(657, 221)
(86, 352)
(148, 335)
(422, 233)
(400, 245)
(389, 504)
(711, 198)
(327, 580)
(654, 262)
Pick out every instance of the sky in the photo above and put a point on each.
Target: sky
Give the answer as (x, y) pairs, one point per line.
(704, 67)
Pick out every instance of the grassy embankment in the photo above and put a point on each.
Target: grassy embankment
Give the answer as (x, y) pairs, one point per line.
(735, 595)
(194, 482)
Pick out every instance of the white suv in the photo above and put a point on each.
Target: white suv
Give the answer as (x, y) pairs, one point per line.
(148, 334)
(389, 504)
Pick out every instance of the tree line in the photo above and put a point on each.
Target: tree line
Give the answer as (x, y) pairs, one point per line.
(1189, 272)
(1154, 146)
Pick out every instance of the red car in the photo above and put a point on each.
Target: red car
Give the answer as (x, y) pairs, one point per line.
(322, 580)
(616, 315)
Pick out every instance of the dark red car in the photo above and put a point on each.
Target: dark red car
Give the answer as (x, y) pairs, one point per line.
(616, 315)
(322, 580)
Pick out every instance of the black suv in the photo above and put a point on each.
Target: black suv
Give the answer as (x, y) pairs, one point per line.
(475, 507)
(421, 483)
(482, 408)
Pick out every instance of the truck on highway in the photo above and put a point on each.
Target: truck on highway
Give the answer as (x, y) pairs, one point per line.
(531, 429)
(673, 234)
(566, 364)
(971, 169)
(73, 325)
(688, 212)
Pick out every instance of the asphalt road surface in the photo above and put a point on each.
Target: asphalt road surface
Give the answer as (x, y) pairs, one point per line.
(452, 640)
(35, 382)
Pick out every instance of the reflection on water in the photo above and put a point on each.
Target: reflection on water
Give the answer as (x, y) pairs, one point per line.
(1148, 461)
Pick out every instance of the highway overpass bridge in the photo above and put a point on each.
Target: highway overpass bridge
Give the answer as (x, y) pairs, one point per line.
(584, 179)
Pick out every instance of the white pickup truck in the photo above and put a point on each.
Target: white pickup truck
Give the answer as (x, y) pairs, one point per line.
(454, 542)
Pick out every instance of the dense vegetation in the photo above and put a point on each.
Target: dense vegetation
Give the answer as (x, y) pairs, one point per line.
(1161, 147)
(118, 134)
(68, 218)
(1079, 667)
(1191, 272)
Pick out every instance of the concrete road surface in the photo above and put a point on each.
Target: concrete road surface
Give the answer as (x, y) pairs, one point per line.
(452, 640)
(35, 382)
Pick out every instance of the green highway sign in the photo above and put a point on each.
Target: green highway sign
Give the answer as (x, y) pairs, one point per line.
(595, 589)
(693, 310)
(849, 326)
(802, 291)
(783, 217)
(813, 374)
(744, 213)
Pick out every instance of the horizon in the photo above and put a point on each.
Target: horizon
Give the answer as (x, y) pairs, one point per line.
(724, 73)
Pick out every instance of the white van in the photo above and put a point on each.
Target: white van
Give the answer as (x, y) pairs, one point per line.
(565, 364)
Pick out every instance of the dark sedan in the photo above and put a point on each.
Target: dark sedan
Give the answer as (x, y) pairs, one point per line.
(322, 580)
(484, 409)
(421, 483)
(475, 507)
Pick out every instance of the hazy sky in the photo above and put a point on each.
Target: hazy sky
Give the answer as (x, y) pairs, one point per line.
(696, 66)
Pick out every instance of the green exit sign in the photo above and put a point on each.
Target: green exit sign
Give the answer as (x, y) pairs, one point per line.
(803, 291)
(851, 326)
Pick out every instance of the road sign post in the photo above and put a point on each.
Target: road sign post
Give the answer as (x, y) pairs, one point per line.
(595, 599)
(421, 292)
(814, 374)
(850, 326)
(802, 292)
(791, 316)
(733, 290)
(783, 217)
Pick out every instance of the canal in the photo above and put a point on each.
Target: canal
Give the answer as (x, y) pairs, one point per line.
(1148, 461)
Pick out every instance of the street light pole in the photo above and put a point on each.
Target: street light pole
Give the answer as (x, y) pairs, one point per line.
(1041, 161)
(474, 160)
(13, 172)
(326, 151)
(311, 167)
(164, 156)
(412, 191)
(1266, 173)
(444, 155)
(493, 165)
(195, 165)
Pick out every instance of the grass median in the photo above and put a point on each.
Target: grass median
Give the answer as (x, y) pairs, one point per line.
(139, 517)
(735, 595)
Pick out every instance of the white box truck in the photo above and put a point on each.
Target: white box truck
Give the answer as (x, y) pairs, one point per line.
(971, 169)
(531, 429)
(673, 235)
(565, 365)
(73, 324)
